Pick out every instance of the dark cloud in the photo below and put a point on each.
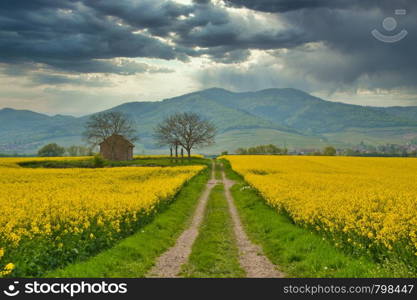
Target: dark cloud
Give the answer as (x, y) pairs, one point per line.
(67, 33)
(348, 56)
(227, 37)
(63, 33)
(12, 5)
(279, 6)
(120, 66)
(202, 1)
(158, 17)
(287, 5)
(228, 57)
(54, 80)
(355, 52)
(73, 35)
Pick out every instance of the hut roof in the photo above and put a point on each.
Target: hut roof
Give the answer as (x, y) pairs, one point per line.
(118, 137)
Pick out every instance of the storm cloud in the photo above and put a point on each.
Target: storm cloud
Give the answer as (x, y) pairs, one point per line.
(48, 79)
(322, 45)
(277, 6)
(63, 33)
(348, 56)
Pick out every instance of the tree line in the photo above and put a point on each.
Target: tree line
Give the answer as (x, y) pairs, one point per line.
(54, 149)
(262, 149)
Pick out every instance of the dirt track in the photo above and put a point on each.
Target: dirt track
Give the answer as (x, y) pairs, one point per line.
(251, 256)
(169, 263)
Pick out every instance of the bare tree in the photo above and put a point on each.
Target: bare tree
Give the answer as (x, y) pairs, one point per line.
(101, 126)
(194, 131)
(187, 130)
(165, 135)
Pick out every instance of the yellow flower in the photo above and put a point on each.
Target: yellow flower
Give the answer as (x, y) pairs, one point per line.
(9, 267)
(37, 204)
(348, 198)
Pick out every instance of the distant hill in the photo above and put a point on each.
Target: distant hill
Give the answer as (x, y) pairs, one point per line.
(285, 117)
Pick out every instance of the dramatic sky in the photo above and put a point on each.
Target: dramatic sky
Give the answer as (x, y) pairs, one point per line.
(80, 56)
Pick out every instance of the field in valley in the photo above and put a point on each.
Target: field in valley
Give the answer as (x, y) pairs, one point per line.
(365, 206)
(304, 216)
(49, 217)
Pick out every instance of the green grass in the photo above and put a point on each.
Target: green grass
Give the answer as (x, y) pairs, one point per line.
(218, 172)
(214, 253)
(298, 251)
(135, 255)
(142, 162)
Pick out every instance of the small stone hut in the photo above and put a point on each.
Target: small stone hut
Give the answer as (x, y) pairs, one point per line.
(116, 147)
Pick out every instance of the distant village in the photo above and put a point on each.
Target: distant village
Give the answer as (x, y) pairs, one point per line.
(387, 150)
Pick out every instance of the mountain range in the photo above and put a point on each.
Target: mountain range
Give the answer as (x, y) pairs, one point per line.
(284, 117)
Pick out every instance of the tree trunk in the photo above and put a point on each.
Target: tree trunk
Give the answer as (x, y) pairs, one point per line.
(189, 152)
(170, 150)
(176, 151)
(182, 152)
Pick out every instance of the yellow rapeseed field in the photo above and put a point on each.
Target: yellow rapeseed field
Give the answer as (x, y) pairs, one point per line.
(52, 215)
(367, 204)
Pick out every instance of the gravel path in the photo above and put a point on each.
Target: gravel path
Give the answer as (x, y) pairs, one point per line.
(169, 263)
(251, 256)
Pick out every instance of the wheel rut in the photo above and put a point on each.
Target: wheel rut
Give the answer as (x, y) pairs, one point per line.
(251, 257)
(169, 264)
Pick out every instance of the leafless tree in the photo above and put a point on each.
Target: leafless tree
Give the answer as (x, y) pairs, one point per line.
(188, 130)
(103, 125)
(165, 135)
